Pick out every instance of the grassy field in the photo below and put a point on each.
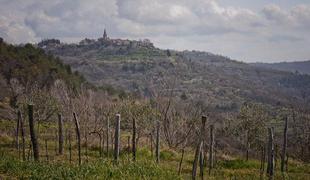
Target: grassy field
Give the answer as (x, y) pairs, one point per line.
(95, 166)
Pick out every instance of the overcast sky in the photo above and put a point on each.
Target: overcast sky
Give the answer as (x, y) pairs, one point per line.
(246, 30)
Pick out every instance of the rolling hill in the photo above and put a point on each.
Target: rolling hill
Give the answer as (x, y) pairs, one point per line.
(139, 67)
(302, 67)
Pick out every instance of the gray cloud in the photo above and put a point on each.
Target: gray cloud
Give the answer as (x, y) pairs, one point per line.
(198, 24)
(281, 38)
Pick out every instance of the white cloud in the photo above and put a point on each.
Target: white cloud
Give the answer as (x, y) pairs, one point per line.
(202, 24)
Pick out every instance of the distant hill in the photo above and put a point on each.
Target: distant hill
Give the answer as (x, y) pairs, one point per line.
(139, 67)
(302, 67)
(31, 65)
(25, 67)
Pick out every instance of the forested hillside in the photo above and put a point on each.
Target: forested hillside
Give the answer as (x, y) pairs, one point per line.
(302, 67)
(25, 69)
(145, 70)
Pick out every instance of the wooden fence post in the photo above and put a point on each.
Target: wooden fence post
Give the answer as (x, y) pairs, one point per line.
(134, 148)
(181, 161)
(108, 133)
(86, 143)
(117, 137)
(262, 160)
(56, 142)
(211, 148)
(66, 135)
(101, 143)
(283, 156)
(128, 144)
(286, 163)
(201, 161)
(29, 157)
(151, 141)
(112, 139)
(247, 145)
(157, 150)
(60, 135)
(270, 165)
(196, 159)
(17, 134)
(202, 139)
(78, 134)
(22, 128)
(46, 150)
(199, 150)
(33, 136)
(70, 147)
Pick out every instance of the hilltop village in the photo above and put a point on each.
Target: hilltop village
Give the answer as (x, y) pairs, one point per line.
(102, 41)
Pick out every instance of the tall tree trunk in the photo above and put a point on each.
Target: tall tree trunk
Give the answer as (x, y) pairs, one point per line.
(157, 150)
(33, 136)
(78, 134)
(117, 137)
(22, 127)
(60, 135)
(283, 156)
(134, 130)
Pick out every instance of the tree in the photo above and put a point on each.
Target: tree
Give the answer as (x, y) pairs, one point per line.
(251, 124)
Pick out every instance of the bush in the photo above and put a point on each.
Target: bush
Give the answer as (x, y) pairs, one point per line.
(237, 164)
(167, 154)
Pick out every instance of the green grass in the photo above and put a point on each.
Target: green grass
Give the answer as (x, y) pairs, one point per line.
(239, 164)
(96, 167)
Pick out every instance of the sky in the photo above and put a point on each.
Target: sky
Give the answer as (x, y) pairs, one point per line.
(245, 30)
